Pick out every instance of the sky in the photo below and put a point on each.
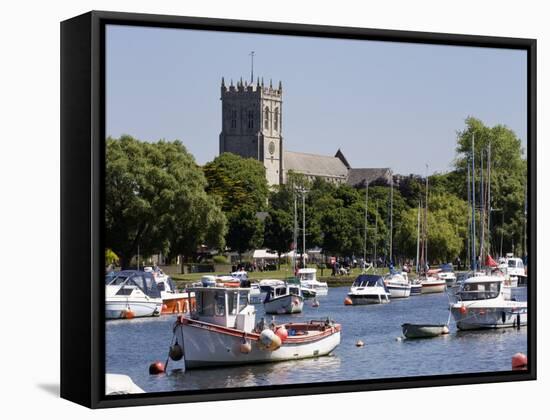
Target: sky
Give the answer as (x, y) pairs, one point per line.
(384, 104)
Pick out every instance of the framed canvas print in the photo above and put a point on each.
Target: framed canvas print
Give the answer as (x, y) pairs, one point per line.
(254, 209)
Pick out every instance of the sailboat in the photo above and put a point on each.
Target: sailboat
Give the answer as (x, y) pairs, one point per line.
(396, 282)
(430, 283)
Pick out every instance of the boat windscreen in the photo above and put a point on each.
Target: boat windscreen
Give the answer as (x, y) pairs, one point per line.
(146, 283)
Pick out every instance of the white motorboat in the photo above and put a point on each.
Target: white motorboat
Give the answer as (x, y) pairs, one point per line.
(398, 285)
(131, 294)
(308, 280)
(284, 299)
(223, 331)
(367, 289)
(173, 302)
(447, 274)
(432, 284)
(482, 303)
(513, 270)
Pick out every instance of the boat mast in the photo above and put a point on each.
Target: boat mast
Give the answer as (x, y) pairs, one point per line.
(469, 215)
(426, 223)
(482, 212)
(304, 228)
(418, 237)
(295, 231)
(474, 258)
(525, 223)
(366, 215)
(489, 207)
(376, 236)
(391, 219)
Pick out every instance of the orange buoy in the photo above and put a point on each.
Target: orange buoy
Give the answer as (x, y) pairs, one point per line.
(281, 332)
(245, 347)
(156, 368)
(128, 314)
(348, 301)
(463, 309)
(519, 361)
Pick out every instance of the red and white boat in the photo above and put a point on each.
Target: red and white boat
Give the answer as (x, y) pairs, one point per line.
(222, 330)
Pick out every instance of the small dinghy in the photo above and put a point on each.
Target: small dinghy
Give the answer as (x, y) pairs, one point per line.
(424, 330)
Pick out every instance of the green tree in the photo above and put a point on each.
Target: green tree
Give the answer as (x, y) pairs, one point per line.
(279, 229)
(246, 230)
(508, 178)
(155, 200)
(237, 180)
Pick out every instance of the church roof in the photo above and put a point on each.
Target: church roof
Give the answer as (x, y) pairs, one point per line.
(360, 176)
(315, 165)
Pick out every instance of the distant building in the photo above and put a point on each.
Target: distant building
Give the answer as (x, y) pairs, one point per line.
(252, 127)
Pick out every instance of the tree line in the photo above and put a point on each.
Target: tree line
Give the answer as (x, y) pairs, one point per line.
(158, 199)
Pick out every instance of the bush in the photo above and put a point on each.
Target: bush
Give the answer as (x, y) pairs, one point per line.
(220, 259)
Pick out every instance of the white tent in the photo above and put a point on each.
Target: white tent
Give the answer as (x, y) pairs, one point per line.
(264, 254)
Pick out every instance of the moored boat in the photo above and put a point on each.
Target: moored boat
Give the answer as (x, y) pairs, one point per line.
(447, 274)
(398, 285)
(131, 294)
(284, 299)
(424, 330)
(432, 284)
(173, 302)
(368, 289)
(482, 303)
(308, 280)
(222, 331)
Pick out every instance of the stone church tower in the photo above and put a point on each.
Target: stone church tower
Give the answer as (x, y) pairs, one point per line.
(252, 125)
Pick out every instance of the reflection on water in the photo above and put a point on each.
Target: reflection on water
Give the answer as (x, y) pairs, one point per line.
(133, 345)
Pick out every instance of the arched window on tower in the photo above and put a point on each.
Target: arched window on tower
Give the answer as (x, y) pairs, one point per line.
(250, 119)
(233, 118)
(266, 118)
(276, 124)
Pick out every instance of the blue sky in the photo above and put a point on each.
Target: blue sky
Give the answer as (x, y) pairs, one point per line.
(383, 104)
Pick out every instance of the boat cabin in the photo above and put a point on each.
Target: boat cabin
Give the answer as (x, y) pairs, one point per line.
(368, 280)
(480, 288)
(226, 307)
(125, 282)
(307, 274)
(283, 290)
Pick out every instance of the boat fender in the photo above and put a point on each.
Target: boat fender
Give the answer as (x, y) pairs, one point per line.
(281, 332)
(128, 314)
(176, 352)
(463, 310)
(156, 368)
(519, 361)
(503, 317)
(245, 346)
(269, 340)
(348, 301)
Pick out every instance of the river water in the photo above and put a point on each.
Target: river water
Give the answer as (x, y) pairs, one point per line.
(132, 345)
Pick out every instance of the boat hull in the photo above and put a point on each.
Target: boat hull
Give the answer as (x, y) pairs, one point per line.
(416, 289)
(117, 309)
(368, 299)
(433, 287)
(475, 318)
(288, 304)
(423, 330)
(208, 346)
(176, 304)
(399, 292)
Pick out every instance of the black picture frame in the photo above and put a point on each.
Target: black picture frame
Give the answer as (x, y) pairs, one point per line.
(82, 199)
